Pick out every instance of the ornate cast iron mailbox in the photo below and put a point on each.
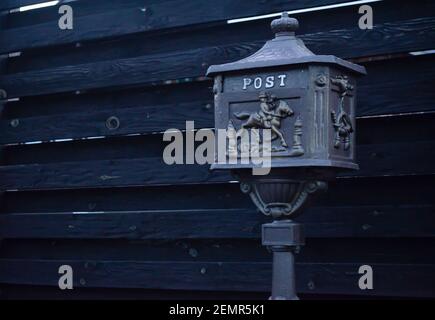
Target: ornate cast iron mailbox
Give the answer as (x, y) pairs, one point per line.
(307, 103)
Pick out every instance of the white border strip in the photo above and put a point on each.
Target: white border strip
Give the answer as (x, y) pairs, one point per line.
(39, 5)
(422, 53)
(331, 6)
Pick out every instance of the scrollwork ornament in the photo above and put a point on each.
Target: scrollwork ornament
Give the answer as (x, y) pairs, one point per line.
(341, 121)
(321, 80)
(267, 197)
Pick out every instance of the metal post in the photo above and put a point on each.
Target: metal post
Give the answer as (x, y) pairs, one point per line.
(283, 237)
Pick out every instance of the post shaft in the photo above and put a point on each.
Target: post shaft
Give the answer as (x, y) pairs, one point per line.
(283, 237)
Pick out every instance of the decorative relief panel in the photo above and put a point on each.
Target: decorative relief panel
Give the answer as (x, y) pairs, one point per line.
(341, 121)
(271, 113)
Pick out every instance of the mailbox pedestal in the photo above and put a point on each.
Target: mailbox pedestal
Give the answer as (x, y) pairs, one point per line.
(299, 108)
(284, 238)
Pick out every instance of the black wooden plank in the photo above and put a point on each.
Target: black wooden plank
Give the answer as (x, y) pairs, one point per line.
(384, 192)
(370, 131)
(141, 17)
(164, 95)
(389, 88)
(222, 11)
(319, 222)
(193, 63)
(337, 251)
(146, 171)
(317, 250)
(24, 292)
(81, 7)
(332, 278)
(90, 124)
(374, 160)
(177, 39)
(97, 26)
(138, 70)
(397, 86)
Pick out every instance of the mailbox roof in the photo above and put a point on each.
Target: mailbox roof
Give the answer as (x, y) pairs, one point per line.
(286, 49)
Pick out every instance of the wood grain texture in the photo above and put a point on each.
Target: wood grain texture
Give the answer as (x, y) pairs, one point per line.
(177, 39)
(29, 292)
(125, 221)
(144, 70)
(388, 89)
(319, 222)
(147, 171)
(385, 192)
(331, 278)
(134, 17)
(374, 160)
(237, 10)
(90, 124)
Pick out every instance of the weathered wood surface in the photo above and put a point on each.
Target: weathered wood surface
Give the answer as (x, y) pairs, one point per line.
(327, 277)
(375, 160)
(177, 39)
(126, 221)
(385, 192)
(389, 88)
(319, 222)
(224, 10)
(102, 19)
(148, 69)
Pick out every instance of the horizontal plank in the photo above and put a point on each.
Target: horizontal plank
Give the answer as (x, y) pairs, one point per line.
(375, 160)
(26, 292)
(316, 250)
(139, 17)
(389, 87)
(176, 39)
(181, 92)
(319, 222)
(90, 124)
(341, 278)
(222, 11)
(386, 90)
(147, 171)
(384, 192)
(149, 69)
(97, 26)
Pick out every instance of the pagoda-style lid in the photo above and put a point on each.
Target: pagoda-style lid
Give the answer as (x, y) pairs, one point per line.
(285, 49)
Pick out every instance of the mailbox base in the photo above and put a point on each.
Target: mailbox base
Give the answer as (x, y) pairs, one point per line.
(283, 238)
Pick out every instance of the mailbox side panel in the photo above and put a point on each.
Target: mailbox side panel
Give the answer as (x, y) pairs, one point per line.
(342, 130)
(318, 103)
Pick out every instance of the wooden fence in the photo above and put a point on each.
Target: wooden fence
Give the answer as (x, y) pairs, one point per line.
(76, 191)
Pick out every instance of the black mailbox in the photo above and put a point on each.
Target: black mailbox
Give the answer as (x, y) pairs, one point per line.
(310, 98)
(307, 104)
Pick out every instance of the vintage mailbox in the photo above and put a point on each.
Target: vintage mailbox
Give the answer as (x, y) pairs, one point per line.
(306, 103)
(307, 100)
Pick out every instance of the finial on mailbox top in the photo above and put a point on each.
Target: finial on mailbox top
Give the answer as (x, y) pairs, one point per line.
(284, 50)
(284, 26)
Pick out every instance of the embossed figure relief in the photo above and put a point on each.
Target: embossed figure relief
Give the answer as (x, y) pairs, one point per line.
(340, 119)
(297, 149)
(270, 116)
